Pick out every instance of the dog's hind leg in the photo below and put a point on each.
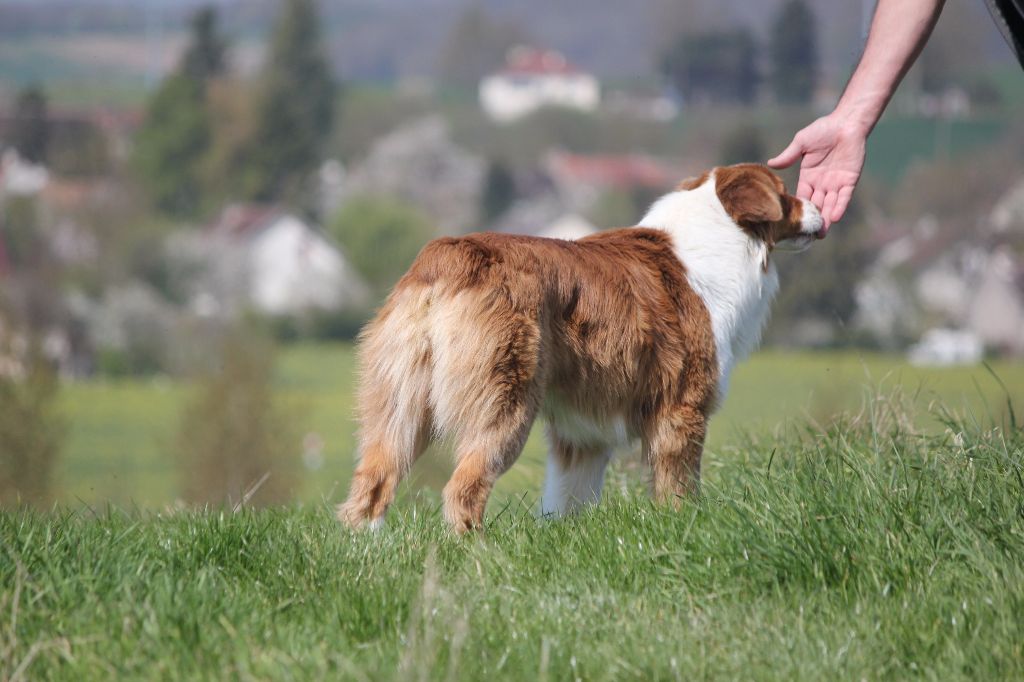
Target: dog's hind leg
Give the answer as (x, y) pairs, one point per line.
(486, 393)
(480, 462)
(395, 423)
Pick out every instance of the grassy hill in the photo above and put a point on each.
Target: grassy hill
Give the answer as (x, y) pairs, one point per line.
(862, 551)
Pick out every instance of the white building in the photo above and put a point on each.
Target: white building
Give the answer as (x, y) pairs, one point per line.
(19, 177)
(570, 227)
(532, 79)
(267, 259)
(943, 347)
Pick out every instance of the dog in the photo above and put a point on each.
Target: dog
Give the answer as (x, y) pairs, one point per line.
(626, 334)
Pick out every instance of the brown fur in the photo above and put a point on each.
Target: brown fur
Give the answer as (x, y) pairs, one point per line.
(485, 332)
(756, 199)
(608, 325)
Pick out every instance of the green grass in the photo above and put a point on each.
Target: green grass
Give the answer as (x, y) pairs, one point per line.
(119, 445)
(862, 551)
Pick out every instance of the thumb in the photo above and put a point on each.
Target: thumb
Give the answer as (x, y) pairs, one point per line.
(789, 155)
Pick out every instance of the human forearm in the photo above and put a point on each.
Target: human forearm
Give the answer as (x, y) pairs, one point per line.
(899, 31)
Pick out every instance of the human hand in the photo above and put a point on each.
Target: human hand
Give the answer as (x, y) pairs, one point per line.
(832, 152)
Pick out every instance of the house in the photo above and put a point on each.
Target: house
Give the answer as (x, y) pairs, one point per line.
(581, 179)
(1008, 213)
(946, 347)
(419, 165)
(267, 259)
(19, 177)
(534, 78)
(569, 226)
(545, 222)
(612, 171)
(932, 276)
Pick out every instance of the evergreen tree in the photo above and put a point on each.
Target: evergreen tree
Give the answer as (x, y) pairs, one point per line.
(476, 46)
(31, 128)
(743, 144)
(171, 144)
(795, 53)
(176, 135)
(296, 106)
(499, 191)
(205, 56)
(718, 66)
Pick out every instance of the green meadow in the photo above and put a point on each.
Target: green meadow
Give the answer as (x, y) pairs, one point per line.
(119, 447)
(861, 549)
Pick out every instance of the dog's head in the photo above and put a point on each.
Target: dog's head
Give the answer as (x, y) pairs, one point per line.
(756, 200)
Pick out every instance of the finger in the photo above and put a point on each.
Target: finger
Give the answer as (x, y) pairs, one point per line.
(828, 207)
(788, 156)
(804, 190)
(842, 201)
(818, 198)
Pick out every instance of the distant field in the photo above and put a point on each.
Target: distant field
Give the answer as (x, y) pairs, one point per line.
(863, 552)
(121, 432)
(898, 142)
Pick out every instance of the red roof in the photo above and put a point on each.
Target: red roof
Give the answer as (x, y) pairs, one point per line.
(619, 171)
(243, 219)
(532, 61)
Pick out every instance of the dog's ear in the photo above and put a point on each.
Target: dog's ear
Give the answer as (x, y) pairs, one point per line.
(749, 194)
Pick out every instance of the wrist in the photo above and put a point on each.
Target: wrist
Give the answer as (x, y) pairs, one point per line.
(858, 111)
(854, 120)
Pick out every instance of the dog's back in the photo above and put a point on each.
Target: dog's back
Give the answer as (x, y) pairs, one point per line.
(484, 331)
(631, 332)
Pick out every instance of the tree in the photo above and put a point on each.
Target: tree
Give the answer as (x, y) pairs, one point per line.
(296, 108)
(176, 134)
(171, 144)
(476, 46)
(79, 147)
(381, 237)
(204, 59)
(31, 430)
(743, 144)
(499, 191)
(957, 51)
(31, 126)
(237, 443)
(795, 53)
(717, 66)
(821, 283)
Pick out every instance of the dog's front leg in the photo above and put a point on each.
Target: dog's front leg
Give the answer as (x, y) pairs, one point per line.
(673, 447)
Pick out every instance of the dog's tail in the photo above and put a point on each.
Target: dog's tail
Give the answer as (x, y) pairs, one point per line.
(394, 361)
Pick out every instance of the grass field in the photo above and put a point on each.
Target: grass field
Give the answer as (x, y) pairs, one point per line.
(861, 551)
(119, 445)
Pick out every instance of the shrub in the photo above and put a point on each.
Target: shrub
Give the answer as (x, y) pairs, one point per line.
(381, 237)
(237, 443)
(31, 430)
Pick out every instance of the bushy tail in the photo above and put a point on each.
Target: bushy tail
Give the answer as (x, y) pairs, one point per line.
(394, 413)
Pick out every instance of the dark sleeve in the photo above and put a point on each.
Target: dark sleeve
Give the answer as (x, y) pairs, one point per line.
(1009, 16)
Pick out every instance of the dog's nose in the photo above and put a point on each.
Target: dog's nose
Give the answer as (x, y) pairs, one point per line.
(822, 232)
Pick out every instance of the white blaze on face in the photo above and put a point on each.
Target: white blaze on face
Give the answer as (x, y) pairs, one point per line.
(812, 222)
(811, 229)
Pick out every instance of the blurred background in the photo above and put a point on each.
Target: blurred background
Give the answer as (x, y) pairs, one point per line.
(201, 202)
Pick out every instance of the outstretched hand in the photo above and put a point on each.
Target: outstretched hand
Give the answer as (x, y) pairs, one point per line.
(832, 154)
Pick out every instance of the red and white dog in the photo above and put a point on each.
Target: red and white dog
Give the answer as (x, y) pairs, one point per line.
(629, 333)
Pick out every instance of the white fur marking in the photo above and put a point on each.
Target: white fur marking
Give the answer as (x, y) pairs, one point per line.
(724, 265)
(566, 490)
